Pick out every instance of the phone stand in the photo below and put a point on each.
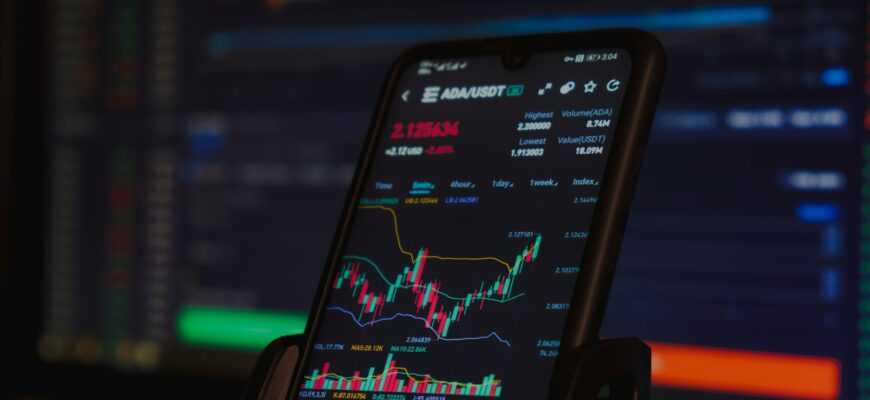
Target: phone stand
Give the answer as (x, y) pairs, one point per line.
(614, 369)
(273, 372)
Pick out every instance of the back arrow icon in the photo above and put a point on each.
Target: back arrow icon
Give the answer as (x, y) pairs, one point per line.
(405, 95)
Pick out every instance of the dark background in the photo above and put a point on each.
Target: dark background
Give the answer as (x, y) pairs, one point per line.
(746, 232)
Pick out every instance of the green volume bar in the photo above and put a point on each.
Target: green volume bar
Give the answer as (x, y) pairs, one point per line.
(396, 379)
(235, 328)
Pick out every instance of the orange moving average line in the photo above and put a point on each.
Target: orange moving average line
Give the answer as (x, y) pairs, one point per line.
(443, 258)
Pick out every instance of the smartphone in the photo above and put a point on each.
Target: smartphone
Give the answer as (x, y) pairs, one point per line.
(483, 225)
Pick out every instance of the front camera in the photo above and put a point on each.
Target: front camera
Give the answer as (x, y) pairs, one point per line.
(514, 60)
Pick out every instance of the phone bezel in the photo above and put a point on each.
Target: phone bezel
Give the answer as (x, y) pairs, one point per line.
(586, 311)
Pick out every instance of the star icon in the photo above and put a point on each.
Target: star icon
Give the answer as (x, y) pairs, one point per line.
(589, 87)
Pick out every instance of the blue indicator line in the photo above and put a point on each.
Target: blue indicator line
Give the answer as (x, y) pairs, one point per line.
(356, 320)
(660, 20)
(836, 77)
(818, 212)
(223, 43)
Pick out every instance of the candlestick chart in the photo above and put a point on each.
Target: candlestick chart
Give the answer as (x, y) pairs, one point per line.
(376, 295)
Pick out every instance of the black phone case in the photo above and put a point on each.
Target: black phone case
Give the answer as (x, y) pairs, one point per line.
(586, 310)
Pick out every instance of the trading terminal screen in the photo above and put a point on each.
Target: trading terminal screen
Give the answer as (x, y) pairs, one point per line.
(199, 153)
(470, 228)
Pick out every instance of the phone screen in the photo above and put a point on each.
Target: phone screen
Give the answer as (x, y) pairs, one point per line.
(465, 245)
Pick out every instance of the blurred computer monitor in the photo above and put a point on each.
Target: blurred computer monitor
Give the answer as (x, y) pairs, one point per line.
(199, 151)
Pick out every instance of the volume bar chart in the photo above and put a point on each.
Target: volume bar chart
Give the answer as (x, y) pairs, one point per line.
(395, 379)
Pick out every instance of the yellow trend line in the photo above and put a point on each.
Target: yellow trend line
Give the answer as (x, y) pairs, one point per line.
(403, 370)
(411, 255)
(395, 228)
